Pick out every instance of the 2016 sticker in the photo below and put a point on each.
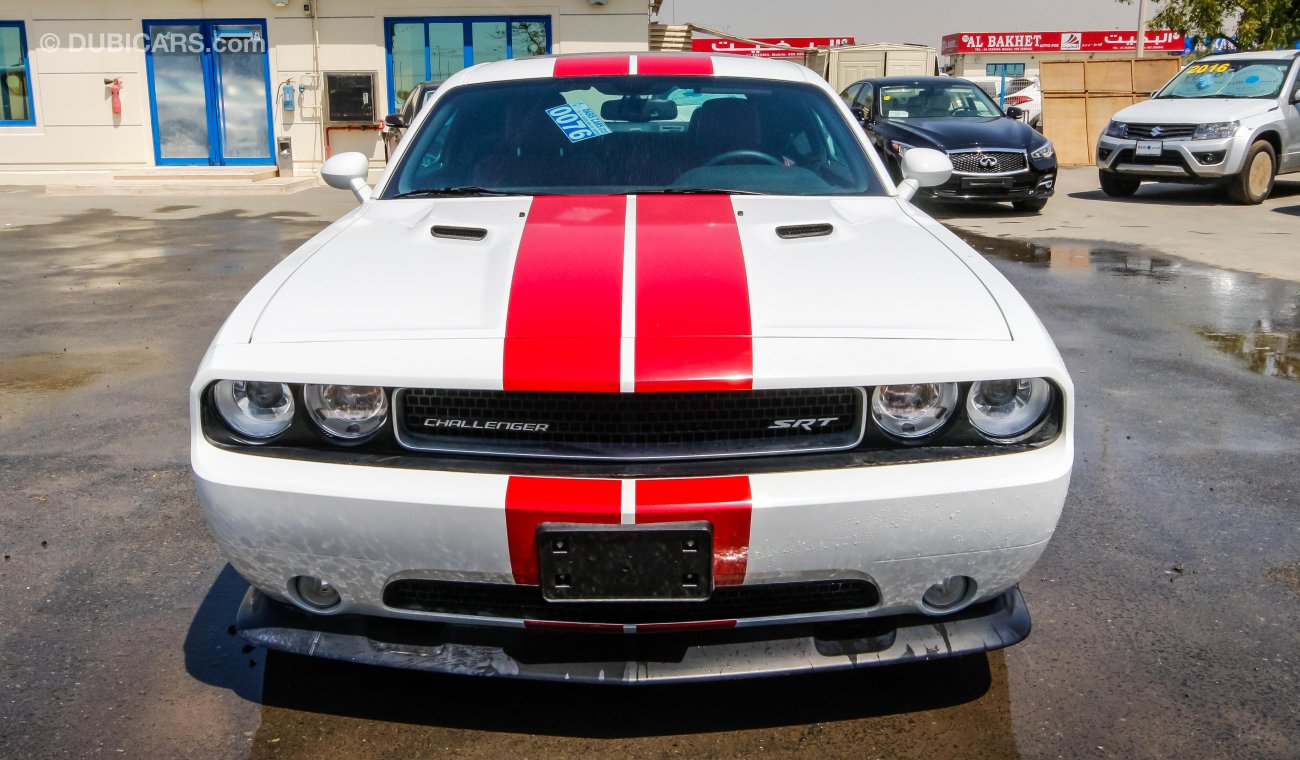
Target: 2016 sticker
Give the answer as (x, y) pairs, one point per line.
(578, 121)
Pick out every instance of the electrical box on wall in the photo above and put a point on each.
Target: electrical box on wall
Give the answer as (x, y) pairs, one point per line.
(350, 97)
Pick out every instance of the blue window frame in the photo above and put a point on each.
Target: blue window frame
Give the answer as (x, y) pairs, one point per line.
(15, 77)
(424, 48)
(209, 115)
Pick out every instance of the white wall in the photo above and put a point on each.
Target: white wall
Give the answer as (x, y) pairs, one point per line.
(76, 130)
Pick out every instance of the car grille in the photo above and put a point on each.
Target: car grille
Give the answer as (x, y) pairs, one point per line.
(629, 425)
(1166, 131)
(992, 162)
(501, 600)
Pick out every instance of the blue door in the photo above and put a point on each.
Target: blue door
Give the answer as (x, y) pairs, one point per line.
(210, 92)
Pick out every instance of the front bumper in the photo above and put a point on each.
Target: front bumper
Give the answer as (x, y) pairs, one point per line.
(1032, 183)
(1195, 161)
(597, 658)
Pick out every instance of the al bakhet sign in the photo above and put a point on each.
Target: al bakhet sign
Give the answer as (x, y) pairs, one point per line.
(1059, 42)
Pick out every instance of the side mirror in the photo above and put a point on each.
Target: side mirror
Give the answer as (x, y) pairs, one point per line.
(1015, 112)
(395, 120)
(860, 114)
(923, 167)
(1295, 96)
(348, 171)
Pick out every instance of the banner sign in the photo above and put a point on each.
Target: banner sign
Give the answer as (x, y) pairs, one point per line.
(1060, 42)
(795, 46)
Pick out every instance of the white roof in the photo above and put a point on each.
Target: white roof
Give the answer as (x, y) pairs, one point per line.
(723, 64)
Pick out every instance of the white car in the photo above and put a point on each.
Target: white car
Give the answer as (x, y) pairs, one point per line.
(585, 390)
(1231, 120)
(1029, 100)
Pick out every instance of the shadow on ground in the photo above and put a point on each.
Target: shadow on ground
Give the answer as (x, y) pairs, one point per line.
(1172, 194)
(215, 656)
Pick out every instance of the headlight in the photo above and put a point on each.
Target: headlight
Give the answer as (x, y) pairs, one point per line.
(899, 147)
(1215, 131)
(1007, 410)
(254, 409)
(1043, 151)
(349, 412)
(1117, 129)
(913, 411)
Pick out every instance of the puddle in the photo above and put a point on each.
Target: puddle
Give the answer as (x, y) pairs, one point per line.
(1275, 354)
(1287, 575)
(1254, 319)
(31, 381)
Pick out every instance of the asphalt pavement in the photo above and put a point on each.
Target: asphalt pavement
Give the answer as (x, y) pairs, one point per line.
(1166, 609)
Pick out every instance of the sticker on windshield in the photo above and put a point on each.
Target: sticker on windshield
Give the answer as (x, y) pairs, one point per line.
(578, 121)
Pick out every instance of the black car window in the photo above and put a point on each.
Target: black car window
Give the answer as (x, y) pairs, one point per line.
(864, 98)
(850, 93)
(925, 100)
(636, 134)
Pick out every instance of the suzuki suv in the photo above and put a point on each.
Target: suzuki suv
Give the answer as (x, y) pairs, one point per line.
(1225, 119)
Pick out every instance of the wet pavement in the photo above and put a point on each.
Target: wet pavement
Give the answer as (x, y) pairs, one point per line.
(1166, 610)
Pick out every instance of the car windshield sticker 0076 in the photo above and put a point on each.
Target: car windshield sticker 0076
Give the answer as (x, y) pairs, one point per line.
(578, 121)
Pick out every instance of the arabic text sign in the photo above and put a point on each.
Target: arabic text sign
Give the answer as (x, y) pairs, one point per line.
(1059, 42)
(796, 46)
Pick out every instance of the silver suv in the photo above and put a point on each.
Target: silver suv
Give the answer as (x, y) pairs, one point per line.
(1225, 119)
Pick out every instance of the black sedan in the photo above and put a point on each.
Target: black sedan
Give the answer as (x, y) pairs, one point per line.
(994, 156)
(395, 124)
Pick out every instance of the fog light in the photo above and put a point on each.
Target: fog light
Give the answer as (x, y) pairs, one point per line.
(316, 593)
(948, 593)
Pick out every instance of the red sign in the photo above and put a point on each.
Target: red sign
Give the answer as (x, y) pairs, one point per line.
(1059, 42)
(793, 46)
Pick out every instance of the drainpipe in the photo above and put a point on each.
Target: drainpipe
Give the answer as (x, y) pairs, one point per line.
(322, 137)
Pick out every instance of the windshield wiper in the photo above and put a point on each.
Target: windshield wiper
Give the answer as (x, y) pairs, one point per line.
(454, 192)
(692, 191)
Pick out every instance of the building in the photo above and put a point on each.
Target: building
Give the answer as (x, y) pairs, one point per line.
(111, 84)
(980, 54)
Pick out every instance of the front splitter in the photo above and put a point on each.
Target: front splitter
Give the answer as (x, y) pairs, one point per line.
(638, 658)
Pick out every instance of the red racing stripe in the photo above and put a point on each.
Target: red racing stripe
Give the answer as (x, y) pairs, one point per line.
(703, 625)
(724, 502)
(565, 315)
(693, 328)
(533, 501)
(593, 66)
(679, 65)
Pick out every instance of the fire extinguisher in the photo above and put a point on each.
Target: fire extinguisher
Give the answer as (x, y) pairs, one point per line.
(115, 89)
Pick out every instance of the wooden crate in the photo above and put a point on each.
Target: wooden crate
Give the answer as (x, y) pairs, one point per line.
(1061, 76)
(1150, 74)
(1100, 109)
(1065, 123)
(1108, 76)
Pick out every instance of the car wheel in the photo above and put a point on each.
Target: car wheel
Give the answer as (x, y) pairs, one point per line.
(1116, 186)
(1255, 181)
(1030, 204)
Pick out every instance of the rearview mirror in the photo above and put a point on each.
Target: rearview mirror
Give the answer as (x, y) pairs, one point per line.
(395, 120)
(348, 171)
(1015, 112)
(923, 167)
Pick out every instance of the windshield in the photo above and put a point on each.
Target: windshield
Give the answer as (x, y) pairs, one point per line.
(634, 134)
(936, 101)
(1228, 79)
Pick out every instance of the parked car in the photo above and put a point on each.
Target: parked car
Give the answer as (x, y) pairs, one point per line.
(1030, 102)
(995, 156)
(1232, 120)
(395, 124)
(588, 389)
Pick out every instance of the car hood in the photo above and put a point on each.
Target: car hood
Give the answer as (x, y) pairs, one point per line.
(590, 267)
(953, 133)
(1193, 110)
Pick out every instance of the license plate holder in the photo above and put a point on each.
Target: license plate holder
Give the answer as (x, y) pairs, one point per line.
(625, 563)
(1150, 147)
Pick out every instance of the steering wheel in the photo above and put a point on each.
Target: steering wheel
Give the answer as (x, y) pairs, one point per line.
(753, 156)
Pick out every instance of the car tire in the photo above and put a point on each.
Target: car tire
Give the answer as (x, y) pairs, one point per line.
(1116, 186)
(1255, 182)
(1030, 204)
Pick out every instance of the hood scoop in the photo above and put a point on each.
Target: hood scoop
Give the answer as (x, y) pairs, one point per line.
(796, 231)
(458, 233)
